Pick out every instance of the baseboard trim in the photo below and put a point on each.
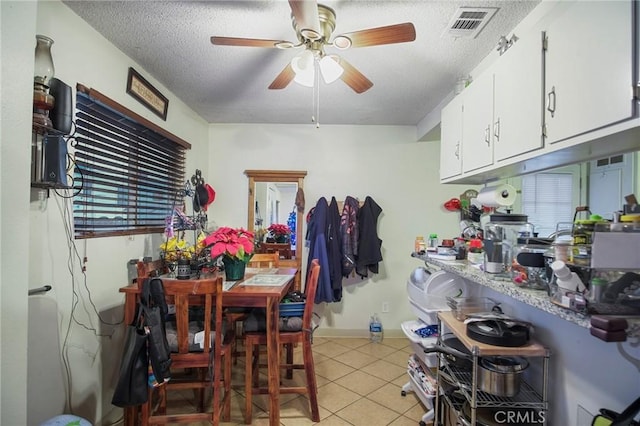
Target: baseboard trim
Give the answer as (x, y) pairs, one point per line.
(357, 333)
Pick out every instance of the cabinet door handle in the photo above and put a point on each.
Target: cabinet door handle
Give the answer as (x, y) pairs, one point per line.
(496, 130)
(457, 152)
(487, 134)
(551, 101)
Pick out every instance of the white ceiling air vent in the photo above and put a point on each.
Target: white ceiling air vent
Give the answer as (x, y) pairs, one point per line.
(469, 21)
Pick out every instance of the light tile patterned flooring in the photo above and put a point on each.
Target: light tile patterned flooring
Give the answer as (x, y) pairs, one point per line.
(359, 384)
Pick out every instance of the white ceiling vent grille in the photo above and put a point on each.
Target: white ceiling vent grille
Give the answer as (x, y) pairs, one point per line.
(469, 21)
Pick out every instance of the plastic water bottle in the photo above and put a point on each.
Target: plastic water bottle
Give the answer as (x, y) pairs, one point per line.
(375, 329)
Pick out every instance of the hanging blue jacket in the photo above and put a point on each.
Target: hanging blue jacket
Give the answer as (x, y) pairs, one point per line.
(316, 237)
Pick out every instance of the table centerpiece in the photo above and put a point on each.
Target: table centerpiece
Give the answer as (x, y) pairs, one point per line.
(235, 246)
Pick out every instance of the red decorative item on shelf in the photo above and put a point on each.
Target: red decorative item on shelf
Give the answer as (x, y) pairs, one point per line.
(452, 205)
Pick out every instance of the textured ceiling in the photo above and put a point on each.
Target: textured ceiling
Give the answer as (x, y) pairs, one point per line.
(171, 41)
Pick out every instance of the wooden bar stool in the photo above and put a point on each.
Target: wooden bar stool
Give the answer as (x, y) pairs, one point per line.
(253, 340)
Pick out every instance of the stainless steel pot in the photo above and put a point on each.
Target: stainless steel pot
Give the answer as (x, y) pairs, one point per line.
(497, 375)
(501, 375)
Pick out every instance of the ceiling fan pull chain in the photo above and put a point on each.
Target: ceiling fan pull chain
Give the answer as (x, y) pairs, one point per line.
(316, 94)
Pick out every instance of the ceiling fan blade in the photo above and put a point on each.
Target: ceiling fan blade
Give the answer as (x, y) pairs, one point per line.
(284, 78)
(249, 42)
(352, 77)
(398, 33)
(305, 13)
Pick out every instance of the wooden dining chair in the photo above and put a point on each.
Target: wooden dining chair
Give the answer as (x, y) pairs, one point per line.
(283, 249)
(149, 269)
(195, 363)
(237, 315)
(253, 340)
(265, 260)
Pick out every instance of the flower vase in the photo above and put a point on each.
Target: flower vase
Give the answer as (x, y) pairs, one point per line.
(281, 239)
(233, 268)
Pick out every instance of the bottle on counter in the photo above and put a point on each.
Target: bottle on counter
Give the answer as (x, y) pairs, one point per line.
(375, 329)
(433, 242)
(566, 279)
(475, 254)
(461, 249)
(420, 244)
(598, 287)
(562, 247)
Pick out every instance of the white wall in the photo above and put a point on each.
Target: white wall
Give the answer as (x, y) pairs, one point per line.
(384, 162)
(17, 26)
(35, 248)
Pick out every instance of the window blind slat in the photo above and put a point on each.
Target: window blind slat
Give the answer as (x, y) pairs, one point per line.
(95, 174)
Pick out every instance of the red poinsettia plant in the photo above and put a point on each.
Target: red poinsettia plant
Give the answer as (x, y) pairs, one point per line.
(232, 242)
(279, 230)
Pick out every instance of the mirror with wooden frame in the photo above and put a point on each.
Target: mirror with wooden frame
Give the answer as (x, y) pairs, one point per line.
(272, 195)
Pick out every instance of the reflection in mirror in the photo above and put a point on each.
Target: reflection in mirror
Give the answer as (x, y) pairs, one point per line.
(549, 198)
(275, 205)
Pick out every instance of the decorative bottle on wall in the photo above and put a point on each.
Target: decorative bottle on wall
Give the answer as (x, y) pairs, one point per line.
(44, 70)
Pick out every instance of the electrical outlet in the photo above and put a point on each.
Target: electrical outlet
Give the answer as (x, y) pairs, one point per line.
(385, 307)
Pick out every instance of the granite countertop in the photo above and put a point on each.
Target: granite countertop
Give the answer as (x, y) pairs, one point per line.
(536, 298)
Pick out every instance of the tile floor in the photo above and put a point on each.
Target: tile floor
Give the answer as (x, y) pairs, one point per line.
(359, 384)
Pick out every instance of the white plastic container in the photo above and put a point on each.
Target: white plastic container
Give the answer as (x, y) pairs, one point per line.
(419, 343)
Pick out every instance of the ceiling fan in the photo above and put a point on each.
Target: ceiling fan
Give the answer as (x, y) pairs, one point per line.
(314, 24)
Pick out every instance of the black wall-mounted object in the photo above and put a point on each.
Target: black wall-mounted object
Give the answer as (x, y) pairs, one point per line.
(62, 111)
(55, 160)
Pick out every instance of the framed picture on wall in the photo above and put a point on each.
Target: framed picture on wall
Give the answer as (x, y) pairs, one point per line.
(146, 94)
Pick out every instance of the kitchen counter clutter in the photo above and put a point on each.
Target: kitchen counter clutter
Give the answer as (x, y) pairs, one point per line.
(536, 298)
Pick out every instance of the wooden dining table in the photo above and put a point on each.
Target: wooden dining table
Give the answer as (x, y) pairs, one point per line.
(248, 292)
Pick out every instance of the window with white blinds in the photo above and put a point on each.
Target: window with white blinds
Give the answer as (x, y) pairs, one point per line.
(547, 200)
(129, 172)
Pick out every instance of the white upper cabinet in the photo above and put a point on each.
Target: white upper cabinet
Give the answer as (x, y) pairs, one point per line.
(517, 124)
(565, 91)
(588, 68)
(477, 123)
(451, 139)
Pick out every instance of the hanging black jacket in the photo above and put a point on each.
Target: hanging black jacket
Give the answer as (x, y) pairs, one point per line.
(369, 245)
(349, 235)
(334, 249)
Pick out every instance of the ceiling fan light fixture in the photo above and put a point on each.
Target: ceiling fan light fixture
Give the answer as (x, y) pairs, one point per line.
(284, 45)
(306, 79)
(303, 63)
(304, 67)
(342, 42)
(310, 34)
(330, 69)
